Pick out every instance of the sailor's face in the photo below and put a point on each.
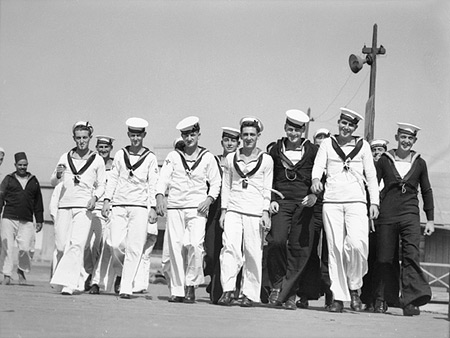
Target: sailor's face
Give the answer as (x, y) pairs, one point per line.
(346, 128)
(249, 137)
(319, 138)
(2, 156)
(190, 138)
(405, 141)
(294, 134)
(229, 144)
(377, 152)
(81, 138)
(136, 139)
(104, 150)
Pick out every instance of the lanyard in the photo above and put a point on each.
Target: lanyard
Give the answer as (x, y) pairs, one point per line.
(188, 169)
(251, 173)
(126, 157)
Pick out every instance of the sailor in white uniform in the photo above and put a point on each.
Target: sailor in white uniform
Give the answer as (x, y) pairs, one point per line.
(185, 173)
(131, 189)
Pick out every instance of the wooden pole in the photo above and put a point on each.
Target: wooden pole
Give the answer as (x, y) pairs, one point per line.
(308, 112)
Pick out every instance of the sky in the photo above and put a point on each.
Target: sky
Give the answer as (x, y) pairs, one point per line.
(105, 61)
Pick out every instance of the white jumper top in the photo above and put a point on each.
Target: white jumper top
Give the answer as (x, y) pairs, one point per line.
(253, 199)
(135, 189)
(91, 182)
(187, 189)
(346, 185)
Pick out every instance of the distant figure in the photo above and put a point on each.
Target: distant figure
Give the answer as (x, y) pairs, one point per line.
(20, 200)
(347, 162)
(403, 172)
(185, 174)
(82, 173)
(246, 188)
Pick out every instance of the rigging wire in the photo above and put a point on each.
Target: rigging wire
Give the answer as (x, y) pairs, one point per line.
(357, 91)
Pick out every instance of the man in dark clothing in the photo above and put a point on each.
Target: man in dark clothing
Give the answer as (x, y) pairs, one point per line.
(290, 237)
(402, 171)
(20, 200)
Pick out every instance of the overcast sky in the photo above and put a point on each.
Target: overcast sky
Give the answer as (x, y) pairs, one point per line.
(105, 61)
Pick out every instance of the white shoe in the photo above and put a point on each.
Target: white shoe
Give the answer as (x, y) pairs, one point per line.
(66, 291)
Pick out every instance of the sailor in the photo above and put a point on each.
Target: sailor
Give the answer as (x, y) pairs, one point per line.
(83, 177)
(131, 190)
(246, 189)
(404, 173)
(348, 164)
(290, 238)
(192, 178)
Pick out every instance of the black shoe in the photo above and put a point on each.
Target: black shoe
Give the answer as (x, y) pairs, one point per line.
(94, 290)
(190, 295)
(117, 284)
(226, 298)
(380, 306)
(355, 302)
(175, 299)
(411, 310)
(328, 299)
(290, 304)
(125, 296)
(87, 283)
(336, 306)
(273, 297)
(302, 303)
(369, 307)
(245, 302)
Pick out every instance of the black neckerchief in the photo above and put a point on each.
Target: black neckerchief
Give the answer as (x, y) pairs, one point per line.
(402, 182)
(126, 157)
(250, 173)
(188, 169)
(287, 163)
(346, 158)
(76, 173)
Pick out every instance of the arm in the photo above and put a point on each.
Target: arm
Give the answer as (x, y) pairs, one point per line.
(58, 173)
(162, 184)
(100, 182)
(268, 180)
(372, 182)
(38, 207)
(152, 179)
(3, 187)
(225, 191)
(428, 201)
(214, 179)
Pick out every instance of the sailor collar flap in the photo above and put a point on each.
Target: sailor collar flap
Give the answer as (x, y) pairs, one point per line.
(188, 169)
(142, 157)
(402, 181)
(245, 177)
(83, 169)
(347, 158)
(287, 163)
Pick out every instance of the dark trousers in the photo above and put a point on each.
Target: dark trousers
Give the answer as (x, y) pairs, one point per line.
(368, 288)
(289, 246)
(414, 287)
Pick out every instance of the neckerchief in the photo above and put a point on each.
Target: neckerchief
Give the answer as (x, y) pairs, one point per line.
(346, 158)
(188, 169)
(126, 157)
(76, 173)
(289, 167)
(250, 173)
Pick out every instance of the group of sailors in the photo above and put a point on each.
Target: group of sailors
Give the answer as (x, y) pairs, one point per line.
(283, 225)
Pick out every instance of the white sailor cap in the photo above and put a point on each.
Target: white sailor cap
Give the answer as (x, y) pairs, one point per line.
(322, 131)
(379, 143)
(250, 121)
(136, 124)
(2, 150)
(350, 115)
(177, 142)
(105, 139)
(230, 132)
(296, 118)
(84, 125)
(407, 128)
(189, 124)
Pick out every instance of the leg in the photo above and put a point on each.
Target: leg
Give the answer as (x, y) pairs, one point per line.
(24, 239)
(140, 283)
(175, 232)
(193, 243)
(8, 234)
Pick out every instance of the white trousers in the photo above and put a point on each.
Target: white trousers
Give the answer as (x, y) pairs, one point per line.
(185, 237)
(242, 247)
(16, 231)
(128, 236)
(71, 233)
(347, 230)
(142, 277)
(94, 242)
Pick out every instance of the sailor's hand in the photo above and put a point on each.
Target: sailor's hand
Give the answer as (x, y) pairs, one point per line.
(91, 203)
(429, 228)
(373, 211)
(152, 217)
(274, 207)
(160, 205)
(105, 209)
(38, 227)
(309, 200)
(203, 207)
(264, 221)
(316, 186)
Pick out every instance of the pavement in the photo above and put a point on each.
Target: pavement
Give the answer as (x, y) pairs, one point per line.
(36, 310)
